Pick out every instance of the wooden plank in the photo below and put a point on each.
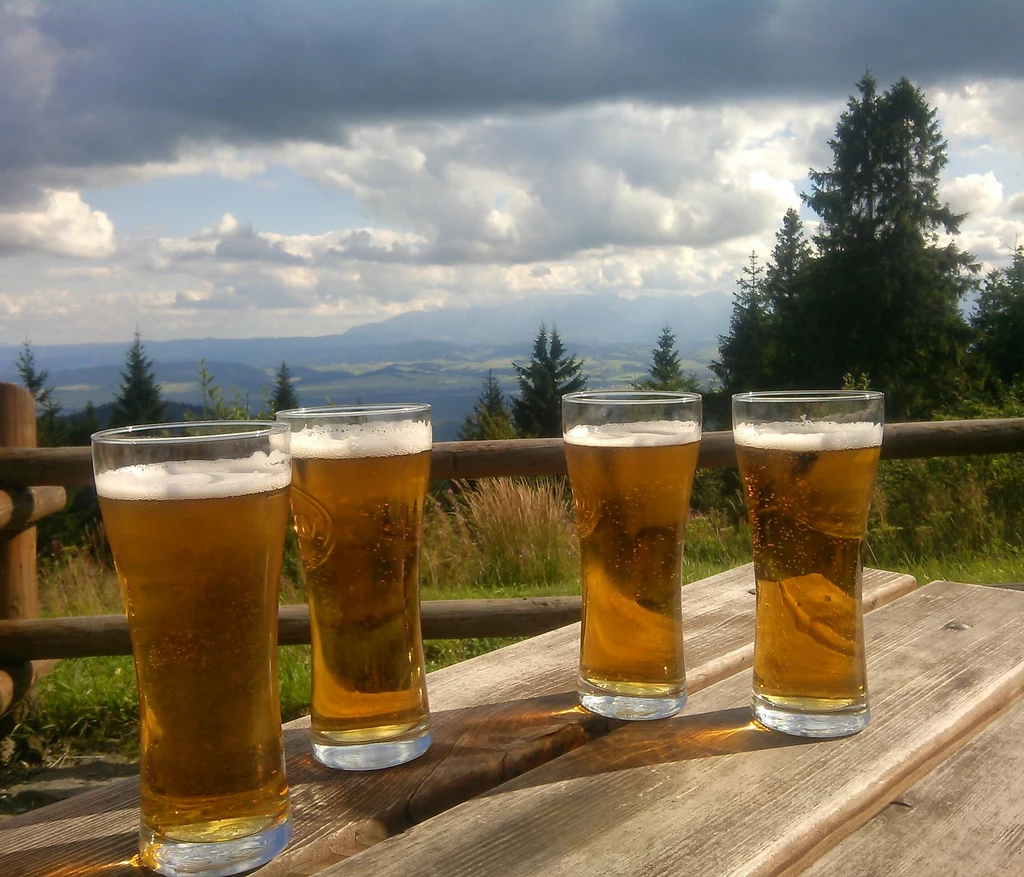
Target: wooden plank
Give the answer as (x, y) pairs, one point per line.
(489, 726)
(965, 819)
(72, 467)
(710, 793)
(22, 506)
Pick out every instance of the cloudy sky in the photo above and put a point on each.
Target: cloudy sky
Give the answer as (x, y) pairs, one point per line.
(245, 168)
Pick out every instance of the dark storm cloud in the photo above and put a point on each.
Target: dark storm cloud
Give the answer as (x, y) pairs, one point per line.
(89, 84)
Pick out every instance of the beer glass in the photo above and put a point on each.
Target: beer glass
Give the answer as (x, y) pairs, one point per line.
(807, 461)
(361, 474)
(196, 516)
(631, 459)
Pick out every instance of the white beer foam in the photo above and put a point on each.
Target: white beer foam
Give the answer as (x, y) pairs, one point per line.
(197, 479)
(804, 436)
(647, 434)
(352, 441)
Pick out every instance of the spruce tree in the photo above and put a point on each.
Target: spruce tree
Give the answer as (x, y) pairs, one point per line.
(998, 321)
(880, 296)
(665, 372)
(49, 432)
(83, 425)
(549, 376)
(491, 419)
(138, 401)
(284, 396)
(883, 297)
(742, 353)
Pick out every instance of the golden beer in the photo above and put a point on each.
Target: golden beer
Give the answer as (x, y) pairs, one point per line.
(357, 500)
(631, 487)
(807, 489)
(198, 551)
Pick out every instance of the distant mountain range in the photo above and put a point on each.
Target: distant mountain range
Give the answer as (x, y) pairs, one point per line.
(438, 356)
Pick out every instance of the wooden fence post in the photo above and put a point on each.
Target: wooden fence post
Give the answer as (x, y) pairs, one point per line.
(17, 549)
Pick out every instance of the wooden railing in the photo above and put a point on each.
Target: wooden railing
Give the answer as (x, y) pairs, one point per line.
(32, 483)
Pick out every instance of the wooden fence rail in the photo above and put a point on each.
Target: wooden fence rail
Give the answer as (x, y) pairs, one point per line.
(72, 467)
(91, 635)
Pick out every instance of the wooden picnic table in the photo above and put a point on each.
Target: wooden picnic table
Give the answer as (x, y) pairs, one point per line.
(521, 781)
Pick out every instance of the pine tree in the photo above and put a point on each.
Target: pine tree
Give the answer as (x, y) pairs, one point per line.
(887, 155)
(138, 401)
(998, 321)
(83, 425)
(790, 257)
(665, 372)
(883, 297)
(491, 419)
(49, 432)
(549, 376)
(742, 353)
(880, 297)
(284, 396)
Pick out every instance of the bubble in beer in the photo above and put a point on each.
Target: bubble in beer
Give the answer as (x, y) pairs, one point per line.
(197, 479)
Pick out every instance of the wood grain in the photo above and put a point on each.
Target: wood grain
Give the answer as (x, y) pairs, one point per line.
(964, 819)
(710, 793)
(72, 467)
(489, 726)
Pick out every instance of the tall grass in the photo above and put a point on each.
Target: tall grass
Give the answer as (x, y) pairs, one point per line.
(500, 534)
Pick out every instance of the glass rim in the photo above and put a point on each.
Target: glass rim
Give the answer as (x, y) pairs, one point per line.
(220, 430)
(360, 410)
(809, 396)
(630, 397)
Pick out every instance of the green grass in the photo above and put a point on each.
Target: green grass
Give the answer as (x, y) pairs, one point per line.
(1002, 566)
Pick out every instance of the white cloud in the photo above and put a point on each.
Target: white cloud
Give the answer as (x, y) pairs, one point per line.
(64, 225)
(517, 189)
(984, 113)
(974, 193)
(992, 239)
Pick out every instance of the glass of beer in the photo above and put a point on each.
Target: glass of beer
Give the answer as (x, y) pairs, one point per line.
(807, 461)
(361, 474)
(631, 458)
(196, 516)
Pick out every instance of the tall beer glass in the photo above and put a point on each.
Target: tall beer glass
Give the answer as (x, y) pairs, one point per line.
(361, 476)
(631, 459)
(196, 515)
(808, 460)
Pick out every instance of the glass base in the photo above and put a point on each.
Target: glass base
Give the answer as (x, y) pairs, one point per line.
(639, 707)
(370, 756)
(178, 858)
(801, 723)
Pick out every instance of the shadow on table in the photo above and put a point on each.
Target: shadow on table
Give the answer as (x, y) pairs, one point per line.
(668, 741)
